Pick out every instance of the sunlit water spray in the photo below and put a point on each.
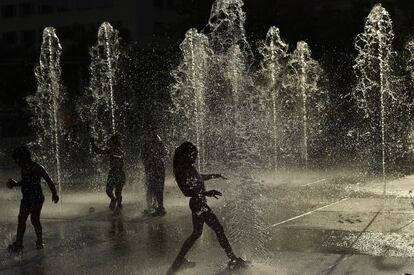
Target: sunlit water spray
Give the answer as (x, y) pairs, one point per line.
(373, 71)
(45, 104)
(226, 27)
(303, 79)
(274, 52)
(244, 218)
(189, 89)
(100, 110)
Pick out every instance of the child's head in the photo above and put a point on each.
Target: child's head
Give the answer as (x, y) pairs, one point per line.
(21, 155)
(186, 154)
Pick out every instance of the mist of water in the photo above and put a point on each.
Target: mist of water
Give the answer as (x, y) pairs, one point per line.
(373, 71)
(226, 26)
(302, 80)
(99, 107)
(46, 103)
(189, 89)
(274, 53)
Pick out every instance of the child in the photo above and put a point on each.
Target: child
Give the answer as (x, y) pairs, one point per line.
(191, 183)
(116, 175)
(153, 152)
(32, 201)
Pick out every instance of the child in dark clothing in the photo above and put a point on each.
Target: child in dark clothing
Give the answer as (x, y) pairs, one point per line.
(153, 152)
(191, 183)
(116, 175)
(32, 201)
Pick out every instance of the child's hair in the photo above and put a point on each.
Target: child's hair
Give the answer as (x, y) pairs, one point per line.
(21, 153)
(185, 154)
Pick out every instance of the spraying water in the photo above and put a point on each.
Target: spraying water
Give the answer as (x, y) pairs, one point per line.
(226, 27)
(303, 79)
(242, 146)
(100, 106)
(410, 61)
(373, 71)
(46, 102)
(274, 52)
(189, 90)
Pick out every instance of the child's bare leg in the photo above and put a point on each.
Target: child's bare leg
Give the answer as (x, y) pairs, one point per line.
(212, 221)
(35, 219)
(21, 225)
(197, 231)
(109, 192)
(118, 194)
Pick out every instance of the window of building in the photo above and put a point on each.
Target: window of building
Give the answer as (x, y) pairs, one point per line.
(28, 37)
(26, 9)
(159, 4)
(45, 7)
(10, 37)
(8, 11)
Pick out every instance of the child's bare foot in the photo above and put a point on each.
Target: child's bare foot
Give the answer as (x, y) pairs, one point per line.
(112, 204)
(15, 248)
(39, 245)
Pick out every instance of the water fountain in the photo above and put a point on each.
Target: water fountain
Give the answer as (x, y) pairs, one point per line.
(189, 89)
(373, 71)
(302, 80)
(99, 108)
(410, 60)
(239, 119)
(45, 104)
(225, 27)
(274, 53)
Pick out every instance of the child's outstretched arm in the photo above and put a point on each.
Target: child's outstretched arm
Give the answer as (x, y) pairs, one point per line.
(212, 176)
(42, 172)
(12, 183)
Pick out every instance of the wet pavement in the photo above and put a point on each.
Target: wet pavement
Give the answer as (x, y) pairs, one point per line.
(320, 224)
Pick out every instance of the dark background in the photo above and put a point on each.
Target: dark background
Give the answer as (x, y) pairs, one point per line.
(328, 26)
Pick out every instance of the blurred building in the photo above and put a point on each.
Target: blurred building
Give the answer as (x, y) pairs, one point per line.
(145, 21)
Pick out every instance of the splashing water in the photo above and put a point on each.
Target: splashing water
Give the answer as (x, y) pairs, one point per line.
(226, 27)
(46, 102)
(274, 52)
(410, 62)
(189, 90)
(302, 79)
(373, 71)
(244, 219)
(100, 108)
(239, 116)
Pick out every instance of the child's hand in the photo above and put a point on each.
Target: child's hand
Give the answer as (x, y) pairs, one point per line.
(11, 183)
(55, 198)
(213, 193)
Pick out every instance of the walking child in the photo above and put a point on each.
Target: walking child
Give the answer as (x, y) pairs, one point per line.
(116, 175)
(32, 196)
(191, 183)
(153, 152)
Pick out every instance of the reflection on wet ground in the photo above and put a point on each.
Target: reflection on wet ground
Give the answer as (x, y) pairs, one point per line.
(363, 233)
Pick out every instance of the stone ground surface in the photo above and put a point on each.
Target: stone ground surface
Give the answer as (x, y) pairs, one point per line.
(319, 223)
